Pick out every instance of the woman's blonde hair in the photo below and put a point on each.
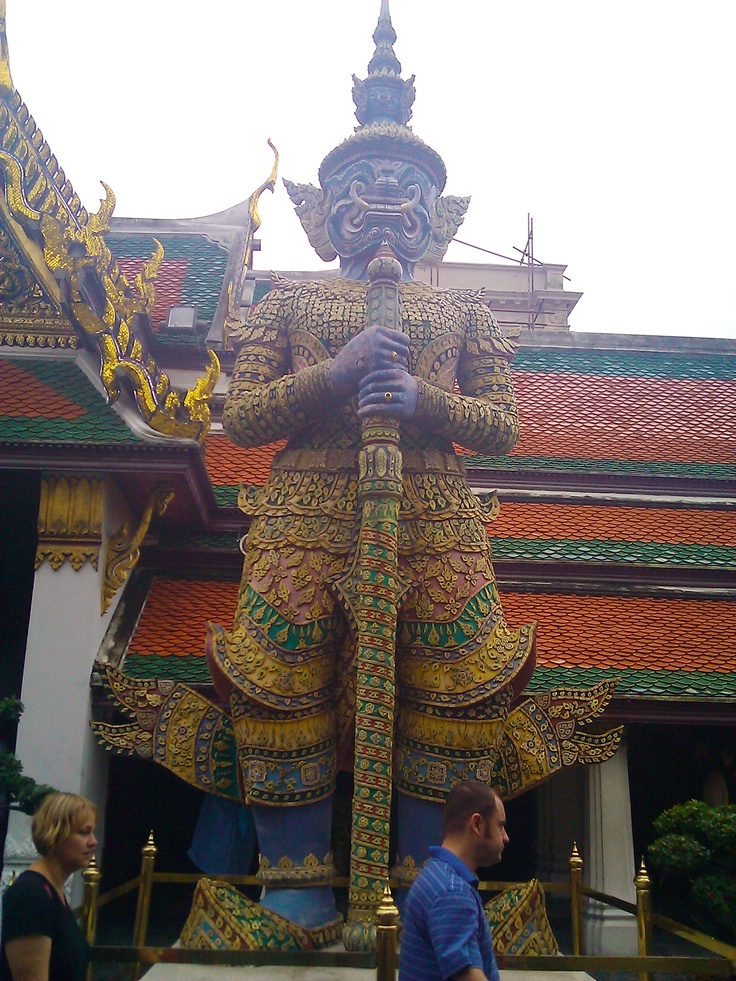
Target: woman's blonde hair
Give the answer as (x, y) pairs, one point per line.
(58, 817)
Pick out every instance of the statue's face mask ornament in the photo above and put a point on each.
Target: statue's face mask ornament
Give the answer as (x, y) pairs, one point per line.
(377, 201)
(382, 184)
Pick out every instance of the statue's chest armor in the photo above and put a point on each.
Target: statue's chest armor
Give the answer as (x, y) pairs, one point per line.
(326, 318)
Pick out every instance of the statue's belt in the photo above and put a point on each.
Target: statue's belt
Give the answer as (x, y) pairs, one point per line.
(341, 460)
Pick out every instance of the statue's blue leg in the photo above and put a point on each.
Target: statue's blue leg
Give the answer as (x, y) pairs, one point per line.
(294, 843)
(420, 825)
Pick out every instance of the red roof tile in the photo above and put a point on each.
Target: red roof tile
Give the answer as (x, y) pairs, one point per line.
(174, 619)
(626, 418)
(621, 524)
(611, 632)
(628, 632)
(169, 284)
(23, 394)
(229, 464)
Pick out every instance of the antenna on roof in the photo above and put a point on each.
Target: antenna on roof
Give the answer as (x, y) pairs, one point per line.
(527, 256)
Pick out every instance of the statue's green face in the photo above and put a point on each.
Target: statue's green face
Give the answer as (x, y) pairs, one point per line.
(375, 201)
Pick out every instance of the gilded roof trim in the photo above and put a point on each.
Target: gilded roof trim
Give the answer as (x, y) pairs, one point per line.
(95, 294)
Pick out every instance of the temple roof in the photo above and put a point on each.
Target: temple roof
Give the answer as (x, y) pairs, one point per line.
(624, 412)
(654, 647)
(62, 284)
(600, 413)
(191, 274)
(52, 401)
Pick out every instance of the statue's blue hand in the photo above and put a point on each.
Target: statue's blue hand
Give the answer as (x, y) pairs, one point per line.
(374, 348)
(389, 392)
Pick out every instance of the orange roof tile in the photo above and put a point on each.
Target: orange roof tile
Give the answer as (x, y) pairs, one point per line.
(611, 632)
(23, 394)
(621, 524)
(625, 418)
(174, 618)
(229, 464)
(628, 632)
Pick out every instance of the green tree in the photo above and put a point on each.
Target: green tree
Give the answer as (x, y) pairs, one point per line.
(17, 791)
(697, 843)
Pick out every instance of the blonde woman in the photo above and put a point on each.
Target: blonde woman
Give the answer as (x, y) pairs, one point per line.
(41, 940)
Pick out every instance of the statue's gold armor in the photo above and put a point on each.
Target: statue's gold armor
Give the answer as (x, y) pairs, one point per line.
(316, 653)
(287, 662)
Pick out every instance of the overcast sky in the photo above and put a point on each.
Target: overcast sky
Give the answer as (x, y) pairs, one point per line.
(611, 123)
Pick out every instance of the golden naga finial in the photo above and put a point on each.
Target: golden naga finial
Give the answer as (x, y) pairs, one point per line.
(269, 184)
(6, 81)
(235, 288)
(108, 317)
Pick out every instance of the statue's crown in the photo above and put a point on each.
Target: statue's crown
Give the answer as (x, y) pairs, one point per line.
(383, 104)
(384, 96)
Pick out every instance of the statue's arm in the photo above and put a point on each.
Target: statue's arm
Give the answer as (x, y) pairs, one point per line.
(483, 416)
(266, 402)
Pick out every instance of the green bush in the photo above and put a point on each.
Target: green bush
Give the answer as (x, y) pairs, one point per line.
(715, 893)
(722, 835)
(17, 791)
(679, 855)
(11, 709)
(20, 793)
(690, 818)
(697, 843)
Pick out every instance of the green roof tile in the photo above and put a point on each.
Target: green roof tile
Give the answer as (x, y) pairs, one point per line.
(650, 684)
(262, 287)
(226, 497)
(93, 421)
(216, 541)
(646, 553)
(642, 468)
(641, 364)
(191, 669)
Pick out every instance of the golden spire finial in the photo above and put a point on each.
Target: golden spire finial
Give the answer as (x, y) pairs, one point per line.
(6, 81)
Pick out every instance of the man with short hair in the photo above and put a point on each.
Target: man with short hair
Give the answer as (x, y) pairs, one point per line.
(446, 934)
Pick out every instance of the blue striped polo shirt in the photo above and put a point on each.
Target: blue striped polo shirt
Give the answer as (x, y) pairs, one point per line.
(445, 926)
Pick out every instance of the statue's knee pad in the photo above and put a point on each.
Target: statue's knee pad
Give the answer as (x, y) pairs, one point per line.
(457, 680)
(286, 757)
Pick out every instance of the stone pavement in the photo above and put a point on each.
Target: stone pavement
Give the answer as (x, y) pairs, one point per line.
(198, 972)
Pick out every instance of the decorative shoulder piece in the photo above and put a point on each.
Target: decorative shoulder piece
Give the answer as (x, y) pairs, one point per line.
(313, 207)
(445, 218)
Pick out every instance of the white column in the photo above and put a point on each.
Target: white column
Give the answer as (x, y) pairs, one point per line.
(55, 742)
(609, 857)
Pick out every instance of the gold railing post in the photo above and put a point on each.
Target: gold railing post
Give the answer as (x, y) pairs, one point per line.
(144, 897)
(643, 916)
(91, 876)
(576, 899)
(387, 918)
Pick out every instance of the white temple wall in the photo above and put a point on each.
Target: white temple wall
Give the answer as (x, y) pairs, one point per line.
(55, 742)
(609, 859)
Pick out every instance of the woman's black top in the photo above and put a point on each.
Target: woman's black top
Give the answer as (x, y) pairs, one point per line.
(33, 908)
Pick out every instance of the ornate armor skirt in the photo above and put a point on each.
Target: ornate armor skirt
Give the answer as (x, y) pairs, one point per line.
(288, 660)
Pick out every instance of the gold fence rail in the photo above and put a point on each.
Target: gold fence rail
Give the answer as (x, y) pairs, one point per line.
(385, 960)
